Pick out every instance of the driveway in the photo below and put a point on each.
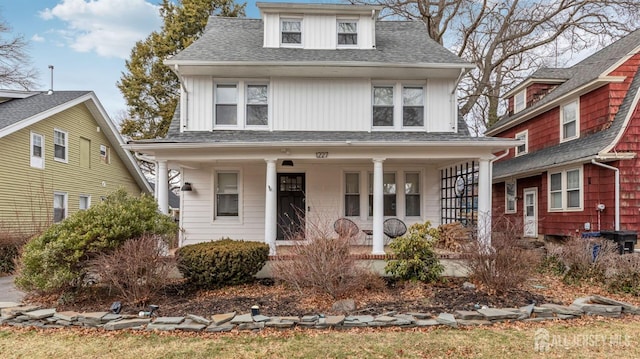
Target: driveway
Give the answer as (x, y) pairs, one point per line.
(8, 291)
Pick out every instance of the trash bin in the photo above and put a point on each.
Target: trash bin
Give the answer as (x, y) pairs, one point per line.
(626, 240)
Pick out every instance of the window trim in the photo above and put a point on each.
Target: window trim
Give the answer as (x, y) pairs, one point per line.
(65, 200)
(216, 103)
(514, 199)
(214, 181)
(398, 105)
(36, 161)
(106, 158)
(423, 98)
(418, 194)
(66, 146)
(522, 94)
(525, 138)
(358, 194)
(242, 86)
(246, 104)
(577, 120)
(338, 33)
(88, 197)
(280, 32)
(564, 190)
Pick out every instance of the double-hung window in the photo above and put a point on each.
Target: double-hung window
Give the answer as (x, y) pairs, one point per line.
(569, 127)
(519, 101)
(352, 194)
(412, 194)
(37, 146)
(227, 194)
(291, 31)
(412, 106)
(59, 206)
(60, 145)
(510, 196)
(226, 104)
(565, 190)
(347, 32)
(84, 202)
(388, 192)
(523, 148)
(383, 106)
(105, 154)
(257, 105)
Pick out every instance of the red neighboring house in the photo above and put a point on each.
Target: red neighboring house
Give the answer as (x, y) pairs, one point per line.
(580, 127)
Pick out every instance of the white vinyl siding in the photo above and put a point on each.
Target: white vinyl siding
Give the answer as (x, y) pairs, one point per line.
(60, 145)
(565, 190)
(569, 121)
(442, 106)
(37, 150)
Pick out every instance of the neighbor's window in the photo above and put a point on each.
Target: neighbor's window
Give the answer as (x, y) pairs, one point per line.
(60, 145)
(382, 106)
(59, 206)
(84, 202)
(291, 31)
(347, 32)
(37, 146)
(352, 194)
(227, 194)
(388, 191)
(519, 101)
(510, 196)
(523, 148)
(569, 121)
(565, 190)
(105, 154)
(412, 106)
(412, 193)
(226, 104)
(257, 105)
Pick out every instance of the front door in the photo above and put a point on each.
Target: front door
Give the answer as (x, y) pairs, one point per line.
(291, 205)
(530, 210)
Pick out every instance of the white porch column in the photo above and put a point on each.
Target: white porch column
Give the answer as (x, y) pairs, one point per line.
(378, 207)
(271, 207)
(484, 202)
(163, 186)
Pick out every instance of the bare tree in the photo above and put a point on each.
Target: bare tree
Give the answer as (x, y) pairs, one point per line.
(507, 39)
(14, 61)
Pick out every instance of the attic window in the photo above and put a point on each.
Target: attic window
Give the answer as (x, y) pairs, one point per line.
(291, 30)
(519, 101)
(347, 32)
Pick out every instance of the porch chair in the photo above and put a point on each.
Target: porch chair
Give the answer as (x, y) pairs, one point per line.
(394, 228)
(346, 228)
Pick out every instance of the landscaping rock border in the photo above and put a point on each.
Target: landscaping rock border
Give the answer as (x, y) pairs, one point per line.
(19, 315)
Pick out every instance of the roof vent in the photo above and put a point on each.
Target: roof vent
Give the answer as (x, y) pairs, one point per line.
(50, 92)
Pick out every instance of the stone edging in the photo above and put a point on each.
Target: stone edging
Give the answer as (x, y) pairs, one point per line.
(16, 314)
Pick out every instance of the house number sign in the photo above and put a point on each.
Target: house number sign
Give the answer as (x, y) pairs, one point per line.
(322, 154)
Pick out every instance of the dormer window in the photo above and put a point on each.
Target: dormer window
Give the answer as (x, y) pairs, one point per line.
(347, 32)
(291, 31)
(523, 148)
(519, 101)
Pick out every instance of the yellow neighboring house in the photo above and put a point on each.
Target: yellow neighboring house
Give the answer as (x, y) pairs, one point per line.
(61, 153)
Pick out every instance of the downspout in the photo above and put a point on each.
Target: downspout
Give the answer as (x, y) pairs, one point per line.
(506, 152)
(186, 98)
(617, 190)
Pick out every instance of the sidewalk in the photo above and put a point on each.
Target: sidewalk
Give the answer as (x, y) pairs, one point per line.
(8, 291)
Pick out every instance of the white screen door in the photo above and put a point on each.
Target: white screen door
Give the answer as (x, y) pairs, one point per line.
(530, 212)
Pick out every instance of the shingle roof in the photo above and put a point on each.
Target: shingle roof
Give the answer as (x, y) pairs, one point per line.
(581, 73)
(582, 148)
(240, 39)
(16, 110)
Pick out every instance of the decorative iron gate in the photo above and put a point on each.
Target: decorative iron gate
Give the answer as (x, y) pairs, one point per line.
(459, 194)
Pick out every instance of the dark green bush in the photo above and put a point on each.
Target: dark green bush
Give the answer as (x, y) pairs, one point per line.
(219, 263)
(415, 258)
(56, 260)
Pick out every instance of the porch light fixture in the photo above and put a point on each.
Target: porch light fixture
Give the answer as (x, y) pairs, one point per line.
(287, 163)
(186, 187)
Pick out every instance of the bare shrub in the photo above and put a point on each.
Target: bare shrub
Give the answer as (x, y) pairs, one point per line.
(452, 236)
(10, 247)
(323, 263)
(584, 260)
(505, 264)
(622, 274)
(137, 270)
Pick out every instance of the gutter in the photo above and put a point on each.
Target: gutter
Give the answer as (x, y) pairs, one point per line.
(617, 190)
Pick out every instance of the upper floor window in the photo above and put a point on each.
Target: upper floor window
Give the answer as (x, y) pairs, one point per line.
(257, 105)
(412, 106)
(226, 104)
(383, 106)
(510, 196)
(523, 148)
(105, 154)
(60, 145)
(37, 146)
(352, 194)
(519, 101)
(565, 190)
(347, 32)
(291, 31)
(569, 127)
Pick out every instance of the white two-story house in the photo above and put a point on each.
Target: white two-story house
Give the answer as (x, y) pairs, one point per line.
(316, 112)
